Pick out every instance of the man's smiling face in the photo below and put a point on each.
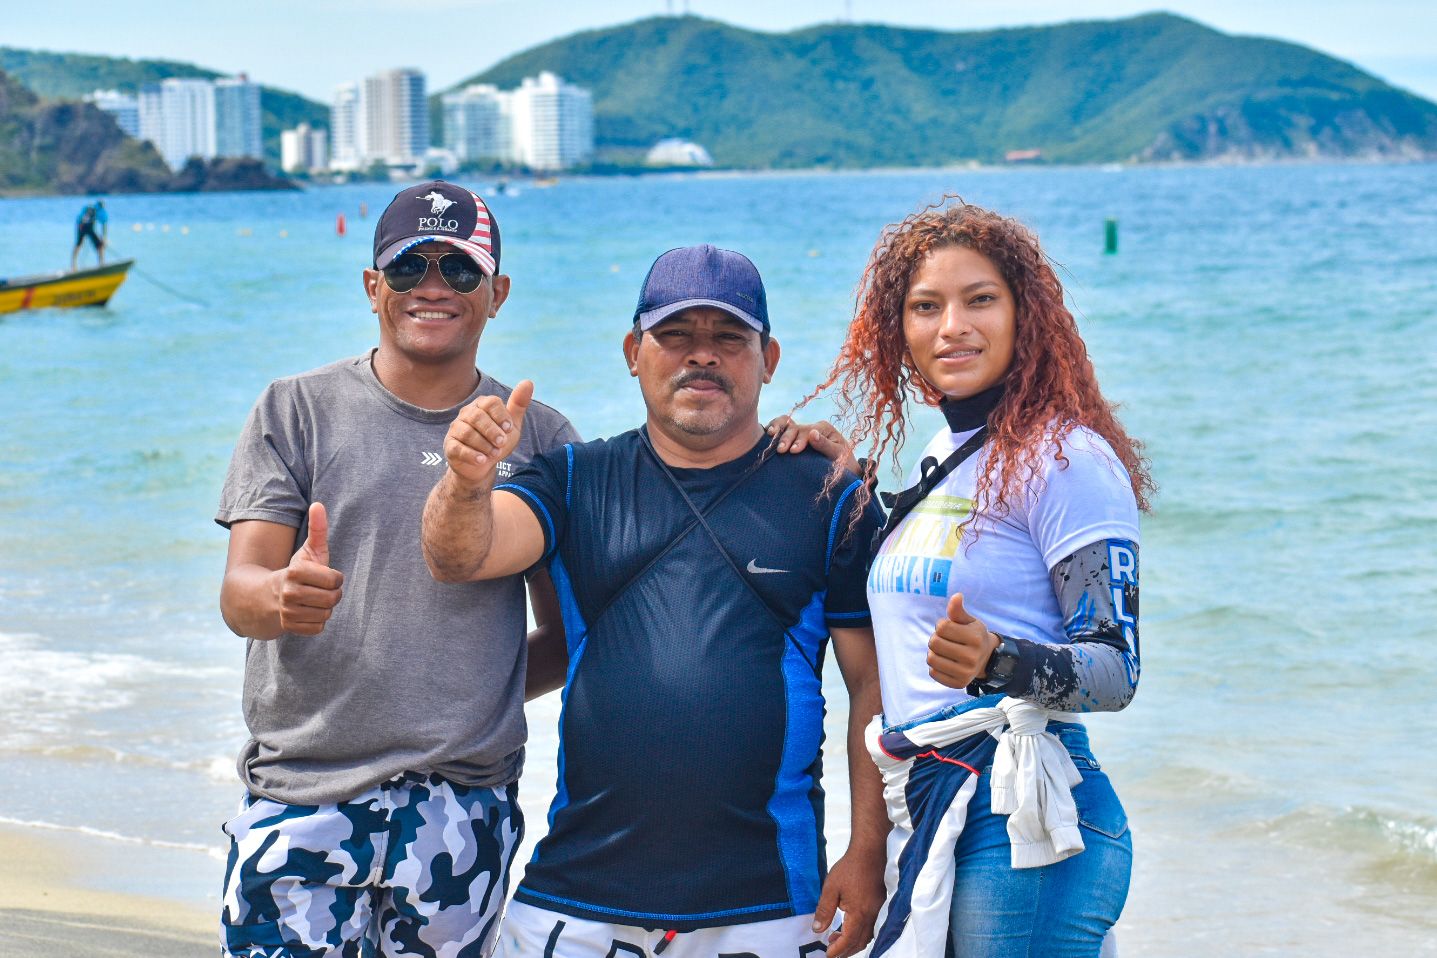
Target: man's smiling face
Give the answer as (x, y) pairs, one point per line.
(431, 323)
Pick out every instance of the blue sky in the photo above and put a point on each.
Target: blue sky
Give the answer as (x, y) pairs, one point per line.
(311, 45)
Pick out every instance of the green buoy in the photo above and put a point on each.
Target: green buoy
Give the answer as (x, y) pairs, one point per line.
(1110, 235)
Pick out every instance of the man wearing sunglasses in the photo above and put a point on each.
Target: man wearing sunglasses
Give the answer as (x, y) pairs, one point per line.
(385, 710)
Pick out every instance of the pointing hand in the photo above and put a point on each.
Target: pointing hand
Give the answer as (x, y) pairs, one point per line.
(307, 590)
(960, 647)
(486, 431)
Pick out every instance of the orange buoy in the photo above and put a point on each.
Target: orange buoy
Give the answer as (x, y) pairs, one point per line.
(339, 225)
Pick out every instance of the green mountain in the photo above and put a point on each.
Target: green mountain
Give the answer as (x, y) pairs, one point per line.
(1150, 88)
(70, 76)
(69, 148)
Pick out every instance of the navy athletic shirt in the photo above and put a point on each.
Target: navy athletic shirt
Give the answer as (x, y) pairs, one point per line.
(689, 756)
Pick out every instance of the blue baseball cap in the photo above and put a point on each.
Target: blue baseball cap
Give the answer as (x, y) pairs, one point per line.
(702, 276)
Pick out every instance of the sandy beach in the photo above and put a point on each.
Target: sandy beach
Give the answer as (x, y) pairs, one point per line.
(47, 908)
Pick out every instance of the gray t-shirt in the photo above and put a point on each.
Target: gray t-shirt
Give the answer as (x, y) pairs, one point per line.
(409, 674)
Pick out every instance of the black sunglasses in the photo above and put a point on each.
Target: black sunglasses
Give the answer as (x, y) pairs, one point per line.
(407, 271)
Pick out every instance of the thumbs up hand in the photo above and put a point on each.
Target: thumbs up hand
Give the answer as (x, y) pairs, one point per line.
(960, 647)
(486, 431)
(307, 589)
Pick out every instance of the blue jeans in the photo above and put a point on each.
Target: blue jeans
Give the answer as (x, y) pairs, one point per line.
(1058, 911)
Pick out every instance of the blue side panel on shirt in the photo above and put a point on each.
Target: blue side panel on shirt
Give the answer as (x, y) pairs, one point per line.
(569, 476)
(833, 524)
(576, 634)
(791, 807)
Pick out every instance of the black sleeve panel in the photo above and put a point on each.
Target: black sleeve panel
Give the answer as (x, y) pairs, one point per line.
(1098, 671)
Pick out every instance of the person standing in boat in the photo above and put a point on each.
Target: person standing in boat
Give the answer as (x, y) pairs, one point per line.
(93, 222)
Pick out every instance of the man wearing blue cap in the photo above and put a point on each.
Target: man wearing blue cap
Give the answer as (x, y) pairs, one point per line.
(699, 577)
(385, 711)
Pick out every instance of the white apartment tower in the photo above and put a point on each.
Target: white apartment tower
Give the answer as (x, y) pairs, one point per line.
(123, 107)
(346, 136)
(478, 123)
(185, 117)
(553, 123)
(395, 117)
(178, 117)
(303, 149)
(237, 118)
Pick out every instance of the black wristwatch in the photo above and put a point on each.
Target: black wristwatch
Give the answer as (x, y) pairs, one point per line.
(1001, 665)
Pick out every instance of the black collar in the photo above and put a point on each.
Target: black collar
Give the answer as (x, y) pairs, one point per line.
(970, 413)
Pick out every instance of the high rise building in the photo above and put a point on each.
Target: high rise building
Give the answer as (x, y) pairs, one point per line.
(178, 117)
(346, 137)
(553, 123)
(396, 117)
(123, 107)
(477, 123)
(303, 149)
(237, 118)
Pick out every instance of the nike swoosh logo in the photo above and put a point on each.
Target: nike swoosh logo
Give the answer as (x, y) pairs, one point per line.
(757, 569)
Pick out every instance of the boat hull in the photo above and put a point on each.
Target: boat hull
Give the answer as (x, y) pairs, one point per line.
(86, 287)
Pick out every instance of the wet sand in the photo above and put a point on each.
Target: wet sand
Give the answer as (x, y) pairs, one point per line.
(47, 912)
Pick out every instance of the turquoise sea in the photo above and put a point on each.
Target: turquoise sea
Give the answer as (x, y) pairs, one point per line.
(1271, 333)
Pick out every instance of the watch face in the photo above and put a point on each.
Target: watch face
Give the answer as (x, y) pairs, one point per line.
(1002, 664)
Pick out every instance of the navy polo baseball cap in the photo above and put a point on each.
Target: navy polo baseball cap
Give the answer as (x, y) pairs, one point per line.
(438, 212)
(702, 276)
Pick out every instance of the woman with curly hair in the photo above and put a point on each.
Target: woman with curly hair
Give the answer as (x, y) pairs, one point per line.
(1004, 591)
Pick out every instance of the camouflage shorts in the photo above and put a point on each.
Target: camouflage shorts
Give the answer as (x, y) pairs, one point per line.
(416, 866)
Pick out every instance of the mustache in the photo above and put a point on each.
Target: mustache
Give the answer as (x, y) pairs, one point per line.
(696, 375)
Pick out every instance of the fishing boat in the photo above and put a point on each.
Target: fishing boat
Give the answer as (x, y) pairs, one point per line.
(83, 287)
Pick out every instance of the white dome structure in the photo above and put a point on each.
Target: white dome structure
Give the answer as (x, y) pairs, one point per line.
(676, 152)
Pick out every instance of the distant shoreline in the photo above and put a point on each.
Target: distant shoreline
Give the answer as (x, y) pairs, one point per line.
(525, 182)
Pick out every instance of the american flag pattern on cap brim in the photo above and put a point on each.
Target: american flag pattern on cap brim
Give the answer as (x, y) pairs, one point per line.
(483, 249)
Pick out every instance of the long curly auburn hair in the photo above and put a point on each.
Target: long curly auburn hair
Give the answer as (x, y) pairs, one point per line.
(1049, 390)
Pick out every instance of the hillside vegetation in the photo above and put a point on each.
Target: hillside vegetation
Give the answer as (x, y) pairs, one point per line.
(1150, 88)
(70, 76)
(64, 146)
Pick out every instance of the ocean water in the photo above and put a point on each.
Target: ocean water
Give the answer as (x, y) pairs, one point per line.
(1271, 334)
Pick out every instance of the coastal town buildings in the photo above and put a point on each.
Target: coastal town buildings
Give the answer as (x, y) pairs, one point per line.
(177, 115)
(544, 124)
(396, 116)
(553, 123)
(237, 118)
(185, 117)
(303, 149)
(344, 123)
(478, 123)
(382, 119)
(122, 106)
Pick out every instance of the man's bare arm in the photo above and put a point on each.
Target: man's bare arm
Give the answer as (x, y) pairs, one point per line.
(269, 588)
(548, 649)
(470, 531)
(855, 882)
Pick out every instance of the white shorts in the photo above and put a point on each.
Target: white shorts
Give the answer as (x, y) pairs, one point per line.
(530, 932)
